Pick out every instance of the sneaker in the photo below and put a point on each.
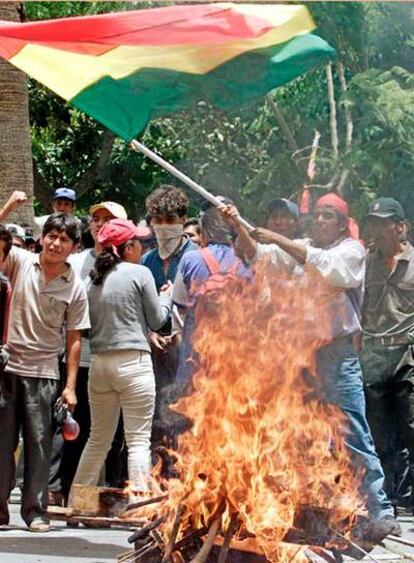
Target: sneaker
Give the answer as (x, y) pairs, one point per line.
(392, 527)
(39, 525)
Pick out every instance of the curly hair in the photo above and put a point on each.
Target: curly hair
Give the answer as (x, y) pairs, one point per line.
(167, 201)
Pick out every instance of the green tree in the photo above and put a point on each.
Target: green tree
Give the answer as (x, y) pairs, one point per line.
(260, 151)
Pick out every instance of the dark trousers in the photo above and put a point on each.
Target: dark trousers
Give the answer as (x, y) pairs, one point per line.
(28, 406)
(165, 370)
(66, 455)
(390, 409)
(389, 389)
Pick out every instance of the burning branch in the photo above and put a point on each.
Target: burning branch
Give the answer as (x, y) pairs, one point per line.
(174, 532)
(146, 502)
(234, 522)
(202, 555)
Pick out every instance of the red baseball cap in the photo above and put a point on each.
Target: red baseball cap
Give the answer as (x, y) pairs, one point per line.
(334, 201)
(118, 231)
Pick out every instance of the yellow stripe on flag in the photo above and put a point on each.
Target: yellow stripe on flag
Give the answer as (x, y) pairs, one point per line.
(68, 73)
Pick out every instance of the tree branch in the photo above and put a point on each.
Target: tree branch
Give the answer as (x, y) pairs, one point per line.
(290, 139)
(41, 188)
(97, 170)
(332, 110)
(348, 117)
(348, 124)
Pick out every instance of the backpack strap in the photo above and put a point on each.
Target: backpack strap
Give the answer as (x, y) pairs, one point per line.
(234, 268)
(211, 263)
(214, 266)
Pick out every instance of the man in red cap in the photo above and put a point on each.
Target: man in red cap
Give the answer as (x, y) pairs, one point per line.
(340, 260)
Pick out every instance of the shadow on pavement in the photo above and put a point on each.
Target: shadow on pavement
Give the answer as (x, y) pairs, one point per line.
(73, 547)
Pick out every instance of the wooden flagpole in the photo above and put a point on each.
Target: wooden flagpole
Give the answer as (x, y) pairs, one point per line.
(139, 147)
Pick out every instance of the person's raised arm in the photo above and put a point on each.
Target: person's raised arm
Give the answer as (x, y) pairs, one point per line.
(283, 252)
(247, 244)
(294, 249)
(17, 199)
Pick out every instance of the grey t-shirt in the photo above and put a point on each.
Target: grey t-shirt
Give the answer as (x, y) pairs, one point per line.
(124, 307)
(39, 313)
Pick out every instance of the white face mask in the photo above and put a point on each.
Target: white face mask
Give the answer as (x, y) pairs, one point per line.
(169, 238)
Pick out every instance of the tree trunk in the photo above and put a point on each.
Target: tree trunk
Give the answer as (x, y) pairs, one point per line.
(16, 172)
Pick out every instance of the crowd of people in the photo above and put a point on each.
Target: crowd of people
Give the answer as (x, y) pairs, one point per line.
(99, 313)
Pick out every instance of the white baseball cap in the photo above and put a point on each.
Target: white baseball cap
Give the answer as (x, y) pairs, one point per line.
(115, 209)
(16, 231)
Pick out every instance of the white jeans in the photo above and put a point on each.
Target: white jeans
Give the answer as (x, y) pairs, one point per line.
(118, 380)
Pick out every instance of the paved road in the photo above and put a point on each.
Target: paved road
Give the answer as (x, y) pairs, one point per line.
(62, 544)
(86, 545)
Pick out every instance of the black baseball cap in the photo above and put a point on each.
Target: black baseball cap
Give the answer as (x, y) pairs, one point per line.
(283, 203)
(386, 208)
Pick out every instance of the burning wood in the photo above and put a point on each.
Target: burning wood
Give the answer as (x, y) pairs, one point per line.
(156, 543)
(265, 464)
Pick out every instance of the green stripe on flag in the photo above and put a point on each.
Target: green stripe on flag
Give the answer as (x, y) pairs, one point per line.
(126, 105)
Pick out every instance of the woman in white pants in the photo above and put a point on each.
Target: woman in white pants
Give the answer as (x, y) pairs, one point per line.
(124, 305)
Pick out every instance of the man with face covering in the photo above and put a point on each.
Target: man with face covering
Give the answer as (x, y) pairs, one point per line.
(167, 209)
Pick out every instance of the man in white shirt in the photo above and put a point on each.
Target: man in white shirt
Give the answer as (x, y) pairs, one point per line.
(340, 261)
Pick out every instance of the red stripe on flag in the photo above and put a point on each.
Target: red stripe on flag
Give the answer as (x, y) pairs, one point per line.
(174, 25)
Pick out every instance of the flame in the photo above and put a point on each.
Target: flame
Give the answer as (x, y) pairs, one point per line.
(262, 445)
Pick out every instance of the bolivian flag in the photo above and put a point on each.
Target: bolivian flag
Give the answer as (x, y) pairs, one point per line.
(125, 68)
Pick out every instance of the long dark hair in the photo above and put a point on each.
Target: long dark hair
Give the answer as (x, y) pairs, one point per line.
(105, 261)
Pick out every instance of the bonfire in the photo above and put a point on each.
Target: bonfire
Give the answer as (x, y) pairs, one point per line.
(264, 466)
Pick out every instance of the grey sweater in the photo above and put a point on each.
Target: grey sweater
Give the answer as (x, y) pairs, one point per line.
(123, 307)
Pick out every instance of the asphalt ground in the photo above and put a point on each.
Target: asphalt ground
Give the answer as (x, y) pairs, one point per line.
(62, 544)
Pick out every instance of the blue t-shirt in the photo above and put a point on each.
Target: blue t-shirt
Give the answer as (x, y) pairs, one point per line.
(193, 270)
(152, 260)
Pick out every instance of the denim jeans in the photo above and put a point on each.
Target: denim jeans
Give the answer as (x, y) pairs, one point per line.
(340, 372)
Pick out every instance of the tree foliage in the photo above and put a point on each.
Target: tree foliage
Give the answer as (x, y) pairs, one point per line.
(259, 151)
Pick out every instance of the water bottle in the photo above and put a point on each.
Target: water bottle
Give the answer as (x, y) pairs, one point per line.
(70, 429)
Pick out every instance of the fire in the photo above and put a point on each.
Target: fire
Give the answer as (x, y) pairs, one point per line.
(262, 446)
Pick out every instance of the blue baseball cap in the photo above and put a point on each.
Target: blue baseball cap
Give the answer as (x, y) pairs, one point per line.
(65, 193)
